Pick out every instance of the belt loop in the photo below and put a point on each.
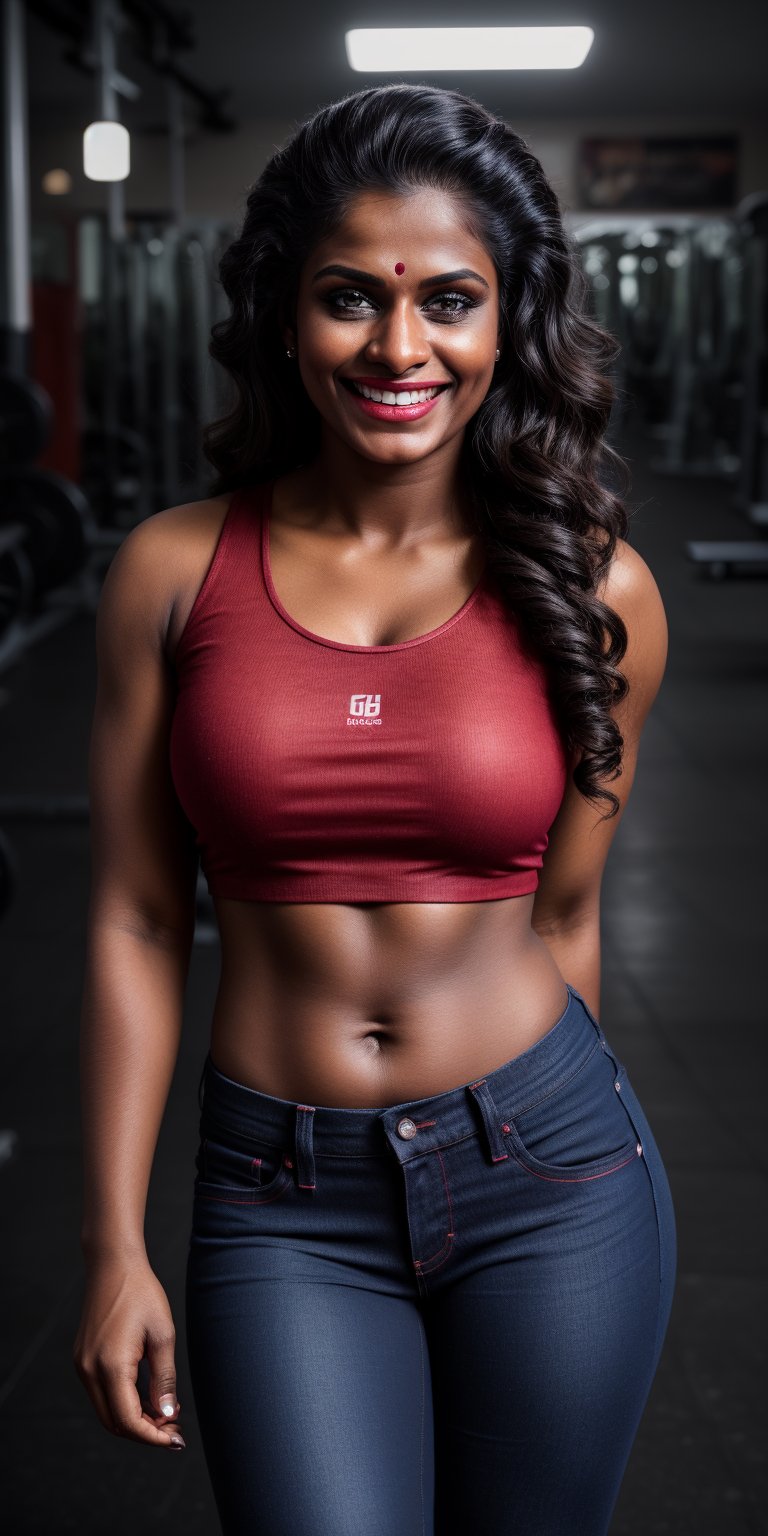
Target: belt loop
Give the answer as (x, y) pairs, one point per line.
(491, 1120)
(305, 1153)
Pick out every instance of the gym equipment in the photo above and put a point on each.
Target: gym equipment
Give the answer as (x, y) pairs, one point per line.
(671, 291)
(50, 554)
(168, 296)
(50, 542)
(54, 516)
(203, 303)
(633, 269)
(17, 578)
(688, 300)
(26, 419)
(43, 518)
(708, 337)
(752, 492)
(136, 301)
(721, 558)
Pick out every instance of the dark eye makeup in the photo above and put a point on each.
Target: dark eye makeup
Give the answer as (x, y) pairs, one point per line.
(462, 300)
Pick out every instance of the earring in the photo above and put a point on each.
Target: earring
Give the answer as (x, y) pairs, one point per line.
(290, 351)
(498, 354)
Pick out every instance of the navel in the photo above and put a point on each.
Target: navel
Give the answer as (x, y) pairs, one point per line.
(372, 1044)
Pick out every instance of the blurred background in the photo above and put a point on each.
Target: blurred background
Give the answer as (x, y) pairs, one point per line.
(657, 147)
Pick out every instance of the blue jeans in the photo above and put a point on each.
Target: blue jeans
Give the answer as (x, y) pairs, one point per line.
(440, 1318)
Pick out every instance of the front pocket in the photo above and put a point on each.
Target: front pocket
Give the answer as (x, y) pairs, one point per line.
(240, 1170)
(579, 1131)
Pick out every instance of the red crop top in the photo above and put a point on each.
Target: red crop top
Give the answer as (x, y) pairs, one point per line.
(312, 770)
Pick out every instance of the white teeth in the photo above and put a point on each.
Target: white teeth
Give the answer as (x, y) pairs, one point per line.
(389, 397)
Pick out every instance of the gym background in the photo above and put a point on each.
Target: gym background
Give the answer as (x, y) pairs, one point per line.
(658, 149)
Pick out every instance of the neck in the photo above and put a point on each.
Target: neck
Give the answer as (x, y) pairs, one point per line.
(420, 500)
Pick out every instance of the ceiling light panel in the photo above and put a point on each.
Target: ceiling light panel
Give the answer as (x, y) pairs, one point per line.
(381, 50)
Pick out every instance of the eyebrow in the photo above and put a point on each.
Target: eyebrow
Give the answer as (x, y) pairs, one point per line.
(378, 282)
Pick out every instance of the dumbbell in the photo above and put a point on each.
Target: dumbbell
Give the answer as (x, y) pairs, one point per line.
(44, 537)
(26, 419)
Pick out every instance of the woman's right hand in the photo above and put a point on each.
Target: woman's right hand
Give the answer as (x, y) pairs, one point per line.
(126, 1317)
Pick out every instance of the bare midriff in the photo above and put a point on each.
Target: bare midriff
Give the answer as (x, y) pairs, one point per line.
(373, 1004)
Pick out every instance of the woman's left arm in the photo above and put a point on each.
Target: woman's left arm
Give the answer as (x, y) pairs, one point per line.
(566, 909)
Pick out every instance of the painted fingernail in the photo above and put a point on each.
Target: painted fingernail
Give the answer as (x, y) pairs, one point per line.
(168, 1406)
(177, 1443)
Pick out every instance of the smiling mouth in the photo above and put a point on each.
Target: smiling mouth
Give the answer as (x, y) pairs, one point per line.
(399, 396)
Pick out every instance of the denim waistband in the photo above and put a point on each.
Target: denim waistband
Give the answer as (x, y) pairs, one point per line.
(416, 1125)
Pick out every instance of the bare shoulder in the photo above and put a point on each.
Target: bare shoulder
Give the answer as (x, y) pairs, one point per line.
(159, 561)
(173, 536)
(630, 588)
(629, 582)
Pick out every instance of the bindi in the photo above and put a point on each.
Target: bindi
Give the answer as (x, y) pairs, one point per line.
(399, 268)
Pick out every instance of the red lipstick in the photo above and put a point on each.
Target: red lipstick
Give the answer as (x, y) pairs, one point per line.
(396, 413)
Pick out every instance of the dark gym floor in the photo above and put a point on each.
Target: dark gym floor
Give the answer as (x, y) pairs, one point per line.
(683, 1001)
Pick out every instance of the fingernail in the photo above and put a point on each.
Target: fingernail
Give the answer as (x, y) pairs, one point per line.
(177, 1443)
(168, 1406)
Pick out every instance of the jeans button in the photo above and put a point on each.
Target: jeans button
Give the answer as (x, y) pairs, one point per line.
(406, 1129)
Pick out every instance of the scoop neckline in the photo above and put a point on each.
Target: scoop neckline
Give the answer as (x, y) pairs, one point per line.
(342, 645)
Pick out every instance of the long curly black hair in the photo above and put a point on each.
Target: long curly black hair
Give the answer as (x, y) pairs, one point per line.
(534, 452)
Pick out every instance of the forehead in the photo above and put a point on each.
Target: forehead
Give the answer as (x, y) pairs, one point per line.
(427, 226)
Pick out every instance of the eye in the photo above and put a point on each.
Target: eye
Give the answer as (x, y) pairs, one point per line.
(334, 299)
(351, 301)
(461, 302)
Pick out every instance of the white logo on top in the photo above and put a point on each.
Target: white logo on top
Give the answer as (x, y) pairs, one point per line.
(365, 704)
(364, 709)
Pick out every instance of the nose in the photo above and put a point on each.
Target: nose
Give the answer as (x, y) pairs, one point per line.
(398, 341)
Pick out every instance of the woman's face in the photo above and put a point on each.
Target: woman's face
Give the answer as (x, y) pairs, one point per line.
(418, 305)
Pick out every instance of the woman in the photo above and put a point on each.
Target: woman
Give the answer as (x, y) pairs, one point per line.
(371, 680)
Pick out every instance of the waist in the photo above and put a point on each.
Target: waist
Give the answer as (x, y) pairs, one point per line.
(363, 1005)
(440, 1118)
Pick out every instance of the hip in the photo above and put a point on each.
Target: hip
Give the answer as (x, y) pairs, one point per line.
(548, 1158)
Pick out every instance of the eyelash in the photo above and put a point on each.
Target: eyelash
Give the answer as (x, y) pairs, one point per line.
(450, 316)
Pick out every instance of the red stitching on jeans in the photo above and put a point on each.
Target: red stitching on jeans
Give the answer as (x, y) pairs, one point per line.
(421, 1272)
(447, 1190)
(580, 1179)
(421, 1123)
(419, 1263)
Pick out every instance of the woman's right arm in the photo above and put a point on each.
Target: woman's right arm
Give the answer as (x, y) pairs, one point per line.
(140, 931)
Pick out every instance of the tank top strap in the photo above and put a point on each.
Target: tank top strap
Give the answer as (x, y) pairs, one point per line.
(234, 574)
